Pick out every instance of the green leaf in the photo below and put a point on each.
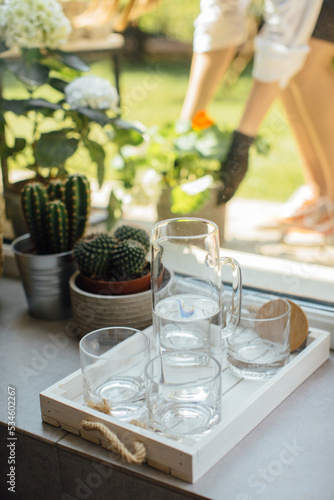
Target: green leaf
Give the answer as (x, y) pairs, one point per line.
(186, 142)
(42, 104)
(262, 145)
(184, 203)
(17, 106)
(7, 151)
(125, 137)
(72, 61)
(97, 155)
(94, 115)
(213, 143)
(32, 74)
(54, 148)
(122, 124)
(114, 211)
(58, 84)
(3, 46)
(31, 56)
(20, 144)
(3, 66)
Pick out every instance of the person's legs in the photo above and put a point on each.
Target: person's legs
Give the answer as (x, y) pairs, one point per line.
(281, 49)
(207, 71)
(309, 101)
(260, 99)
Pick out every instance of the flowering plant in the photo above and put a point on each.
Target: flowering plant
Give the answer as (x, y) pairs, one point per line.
(184, 157)
(34, 23)
(91, 92)
(65, 112)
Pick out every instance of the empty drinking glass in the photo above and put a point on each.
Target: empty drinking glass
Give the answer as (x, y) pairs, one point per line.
(183, 392)
(113, 361)
(261, 344)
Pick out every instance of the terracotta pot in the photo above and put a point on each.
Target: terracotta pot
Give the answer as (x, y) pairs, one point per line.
(100, 287)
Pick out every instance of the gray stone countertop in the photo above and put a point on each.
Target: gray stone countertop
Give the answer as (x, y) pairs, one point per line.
(288, 455)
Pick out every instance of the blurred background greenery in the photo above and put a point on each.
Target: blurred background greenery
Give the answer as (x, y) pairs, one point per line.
(153, 88)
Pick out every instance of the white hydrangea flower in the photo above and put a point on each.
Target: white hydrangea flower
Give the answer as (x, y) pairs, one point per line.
(91, 92)
(34, 23)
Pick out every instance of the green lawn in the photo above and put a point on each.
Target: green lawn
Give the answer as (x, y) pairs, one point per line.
(152, 93)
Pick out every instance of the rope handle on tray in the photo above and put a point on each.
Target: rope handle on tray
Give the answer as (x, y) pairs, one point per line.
(116, 445)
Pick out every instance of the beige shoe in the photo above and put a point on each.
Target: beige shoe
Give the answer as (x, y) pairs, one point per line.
(302, 202)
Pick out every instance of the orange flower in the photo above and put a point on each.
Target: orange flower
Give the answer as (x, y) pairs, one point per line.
(201, 121)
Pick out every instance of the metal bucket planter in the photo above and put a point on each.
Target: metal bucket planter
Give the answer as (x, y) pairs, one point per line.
(92, 311)
(45, 280)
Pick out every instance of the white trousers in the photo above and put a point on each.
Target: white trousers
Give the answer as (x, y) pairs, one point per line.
(282, 44)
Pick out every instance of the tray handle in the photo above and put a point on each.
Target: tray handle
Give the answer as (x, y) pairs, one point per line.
(116, 445)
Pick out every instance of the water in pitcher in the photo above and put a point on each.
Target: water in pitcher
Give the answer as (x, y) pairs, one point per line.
(189, 322)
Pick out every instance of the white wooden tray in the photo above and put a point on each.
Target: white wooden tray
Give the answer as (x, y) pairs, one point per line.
(245, 404)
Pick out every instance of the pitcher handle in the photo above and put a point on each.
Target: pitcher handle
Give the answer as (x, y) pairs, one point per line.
(236, 295)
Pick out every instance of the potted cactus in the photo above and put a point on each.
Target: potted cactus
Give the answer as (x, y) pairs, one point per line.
(56, 215)
(112, 286)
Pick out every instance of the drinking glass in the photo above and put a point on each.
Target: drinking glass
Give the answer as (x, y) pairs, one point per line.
(187, 296)
(183, 393)
(113, 362)
(260, 345)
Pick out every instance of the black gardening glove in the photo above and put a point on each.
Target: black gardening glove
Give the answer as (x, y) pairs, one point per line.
(234, 168)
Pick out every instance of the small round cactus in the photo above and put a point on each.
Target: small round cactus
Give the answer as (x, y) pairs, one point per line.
(113, 257)
(133, 233)
(93, 255)
(128, 258)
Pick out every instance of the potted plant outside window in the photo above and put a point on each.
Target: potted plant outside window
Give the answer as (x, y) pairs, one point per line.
(178, 166)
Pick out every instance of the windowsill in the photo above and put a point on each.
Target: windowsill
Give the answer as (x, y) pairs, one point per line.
(299, 279)
(308, 284)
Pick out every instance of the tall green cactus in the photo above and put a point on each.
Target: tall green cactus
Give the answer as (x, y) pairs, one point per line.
(56, 214)
(56, 190)
(57, 227)
(77, 199)
(34, 200)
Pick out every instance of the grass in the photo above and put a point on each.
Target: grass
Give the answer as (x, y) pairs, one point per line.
(152, 93)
